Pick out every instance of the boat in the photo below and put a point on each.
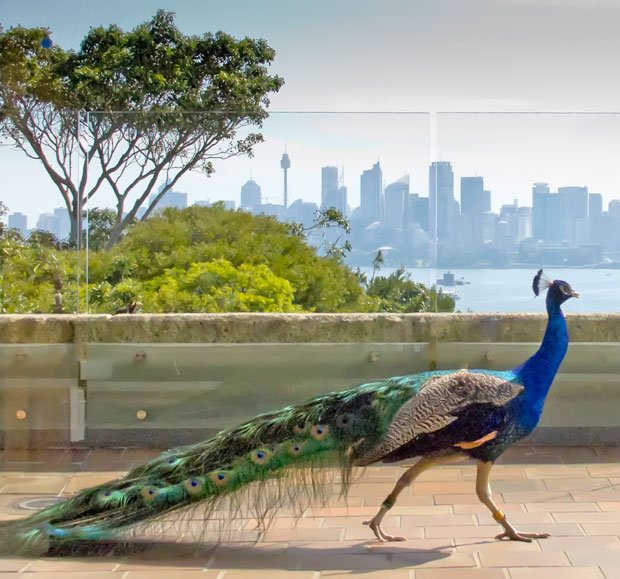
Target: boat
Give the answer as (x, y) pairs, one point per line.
(449, 279)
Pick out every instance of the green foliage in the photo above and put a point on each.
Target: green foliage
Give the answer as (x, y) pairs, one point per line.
(3, 211)
(32, 275)
(218, 286)
(199, 259)
(377, 262)
(399, 294)
(101, 223)
(43, 238)
(179, 238)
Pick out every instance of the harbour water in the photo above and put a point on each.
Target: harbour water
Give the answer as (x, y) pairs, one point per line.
(510, 290)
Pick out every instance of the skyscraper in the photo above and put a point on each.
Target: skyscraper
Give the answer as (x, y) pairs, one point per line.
(613, 208)
(525, 223)
(574, 215)
(285, 163)
(170, 198)
(539, 193)
(396, 197)
(19, 221)
(329, 183)
(49, 222)
(472, 206)
(251, 197)
(302, 212)
(336, 198)
(487, 201)
(417, 208)
(371, 196)
(64, 222)
(595, 217)
(546, 210)
(441, 202)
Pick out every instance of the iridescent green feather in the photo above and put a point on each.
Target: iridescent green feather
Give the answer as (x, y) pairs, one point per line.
(329, 430)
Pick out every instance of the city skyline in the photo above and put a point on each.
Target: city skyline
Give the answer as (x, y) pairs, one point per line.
(441, 56)
(457, 213)
(272, 191)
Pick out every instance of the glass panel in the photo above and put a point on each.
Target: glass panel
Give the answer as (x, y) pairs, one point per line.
(529, 190)
(373, 168)
(37, 384)
(169, 394)
(41, 269)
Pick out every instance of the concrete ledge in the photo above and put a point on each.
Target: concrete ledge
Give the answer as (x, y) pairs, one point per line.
(297, 328)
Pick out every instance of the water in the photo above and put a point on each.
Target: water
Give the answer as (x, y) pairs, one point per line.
(510, 290)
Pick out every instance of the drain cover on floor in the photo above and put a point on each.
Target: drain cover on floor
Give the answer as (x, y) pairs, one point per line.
(38, 504)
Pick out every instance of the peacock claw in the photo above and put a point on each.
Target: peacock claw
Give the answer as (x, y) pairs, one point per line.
(382, 536)
(525, 537)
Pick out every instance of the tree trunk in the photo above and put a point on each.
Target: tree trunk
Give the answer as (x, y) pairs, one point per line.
(76, 227)
(115, 235)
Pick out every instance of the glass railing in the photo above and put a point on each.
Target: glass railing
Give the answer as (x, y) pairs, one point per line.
(433, 194)
(169, 393)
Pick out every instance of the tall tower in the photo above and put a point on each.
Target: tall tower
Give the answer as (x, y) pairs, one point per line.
(371, 194)
(472, 205)
(441, 203)
(285, 163)
(329, 183)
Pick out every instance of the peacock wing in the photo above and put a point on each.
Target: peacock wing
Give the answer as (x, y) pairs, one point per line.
(440, 400)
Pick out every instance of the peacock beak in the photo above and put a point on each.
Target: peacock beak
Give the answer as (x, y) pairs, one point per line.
(574, 295)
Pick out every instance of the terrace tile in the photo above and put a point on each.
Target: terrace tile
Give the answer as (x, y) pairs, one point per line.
(572, 493)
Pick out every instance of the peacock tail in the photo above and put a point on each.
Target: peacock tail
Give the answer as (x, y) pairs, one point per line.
(278, 457)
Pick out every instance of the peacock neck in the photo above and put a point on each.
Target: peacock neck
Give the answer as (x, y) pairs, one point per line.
(538, 372)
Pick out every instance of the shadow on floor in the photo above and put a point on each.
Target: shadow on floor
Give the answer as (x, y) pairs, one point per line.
(358, 557)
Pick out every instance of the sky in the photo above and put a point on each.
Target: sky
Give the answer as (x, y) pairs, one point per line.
(410, 56)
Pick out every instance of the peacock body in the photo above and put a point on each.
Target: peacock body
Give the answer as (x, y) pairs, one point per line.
(278, 457)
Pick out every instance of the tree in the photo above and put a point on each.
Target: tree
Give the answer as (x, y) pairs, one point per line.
(399, 294)
(377, 262)
(177, 238)
(101, 222)
(326, 219)
(184, 100)
(3, 211)
(43, 238)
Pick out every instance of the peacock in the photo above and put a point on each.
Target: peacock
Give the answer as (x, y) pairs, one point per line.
(278, 457)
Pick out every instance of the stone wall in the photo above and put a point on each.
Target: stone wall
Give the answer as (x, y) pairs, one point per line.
(297, 328)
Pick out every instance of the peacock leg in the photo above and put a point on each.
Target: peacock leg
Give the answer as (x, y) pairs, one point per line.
(483, 490)
(403, 482)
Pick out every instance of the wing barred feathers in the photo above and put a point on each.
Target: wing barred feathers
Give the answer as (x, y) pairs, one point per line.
(440, 399)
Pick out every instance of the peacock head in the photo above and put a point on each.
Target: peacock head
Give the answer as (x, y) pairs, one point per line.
(559, 290)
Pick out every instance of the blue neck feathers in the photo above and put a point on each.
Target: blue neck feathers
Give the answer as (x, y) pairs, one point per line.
(538, 372)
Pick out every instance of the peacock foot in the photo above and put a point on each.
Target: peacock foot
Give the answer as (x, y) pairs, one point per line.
(514, 535)
(382, 536)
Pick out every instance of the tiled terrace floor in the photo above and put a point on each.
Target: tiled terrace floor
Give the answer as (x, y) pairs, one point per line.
(574, 494)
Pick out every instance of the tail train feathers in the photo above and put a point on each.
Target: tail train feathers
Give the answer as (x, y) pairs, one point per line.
(282, 453)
